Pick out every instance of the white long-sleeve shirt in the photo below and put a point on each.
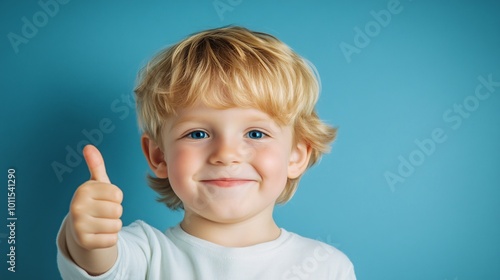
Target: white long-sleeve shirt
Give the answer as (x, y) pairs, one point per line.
(146, 253)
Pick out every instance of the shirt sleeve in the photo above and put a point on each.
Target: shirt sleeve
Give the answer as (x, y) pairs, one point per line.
(131, 263)
(350, 274)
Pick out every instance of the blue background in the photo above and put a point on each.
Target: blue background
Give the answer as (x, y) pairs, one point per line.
(441, 222)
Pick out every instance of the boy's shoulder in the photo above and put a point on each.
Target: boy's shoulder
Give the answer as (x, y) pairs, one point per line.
(315, 248)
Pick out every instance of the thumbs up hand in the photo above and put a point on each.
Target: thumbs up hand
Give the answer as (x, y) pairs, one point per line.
(95, 210)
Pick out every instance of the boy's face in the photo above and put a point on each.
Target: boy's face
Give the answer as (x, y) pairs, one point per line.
(227, 165)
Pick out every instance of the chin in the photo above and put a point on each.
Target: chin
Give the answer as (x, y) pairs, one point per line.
(224, 214)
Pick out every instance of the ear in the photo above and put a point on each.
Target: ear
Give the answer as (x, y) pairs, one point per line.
(154, 156)
(299, 159)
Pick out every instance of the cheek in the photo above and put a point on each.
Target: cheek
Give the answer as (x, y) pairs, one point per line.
(181, 163)
(272, 164)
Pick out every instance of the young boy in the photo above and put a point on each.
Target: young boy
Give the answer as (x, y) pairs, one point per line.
(229, 127)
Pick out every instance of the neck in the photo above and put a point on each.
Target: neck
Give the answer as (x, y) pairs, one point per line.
(254, 230)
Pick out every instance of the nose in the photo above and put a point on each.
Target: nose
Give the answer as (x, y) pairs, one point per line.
(226, 152)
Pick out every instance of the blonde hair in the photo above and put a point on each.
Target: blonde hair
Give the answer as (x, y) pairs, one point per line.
(232, 67)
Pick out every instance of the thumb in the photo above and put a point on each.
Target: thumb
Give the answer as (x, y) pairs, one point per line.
(95, 163)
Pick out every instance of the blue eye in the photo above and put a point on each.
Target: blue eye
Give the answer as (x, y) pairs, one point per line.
(197, 134)
(255, 134)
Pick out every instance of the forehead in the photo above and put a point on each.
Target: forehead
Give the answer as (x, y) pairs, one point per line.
(216, 94)
(200, 112)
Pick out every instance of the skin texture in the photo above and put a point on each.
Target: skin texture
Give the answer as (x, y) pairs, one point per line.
(228, 167)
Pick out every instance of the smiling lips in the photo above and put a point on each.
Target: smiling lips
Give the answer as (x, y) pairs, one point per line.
(227, 182)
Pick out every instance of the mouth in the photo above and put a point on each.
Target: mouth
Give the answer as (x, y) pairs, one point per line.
(227, 182)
